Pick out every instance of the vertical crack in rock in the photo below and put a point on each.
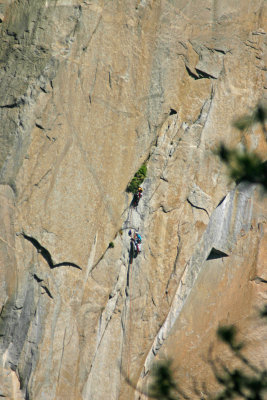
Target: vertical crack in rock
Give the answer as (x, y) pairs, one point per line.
(54, 320)
(103, 331)
(179, 247)
(62, 353)
(205, 109)
(227, 221)
(103, 324)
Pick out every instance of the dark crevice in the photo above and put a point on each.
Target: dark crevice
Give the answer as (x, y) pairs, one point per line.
(221, 51)
(13, 105)
(258, 279)
(203, 74)
(172, 111)
(47, 291)
(66, 264)
(46, 255)
(27, 396)
(10, 33)
(199, 208)
(39, 126)
(190, 73)
(163, 209)
(43, 89)
(109, 247)
(37, 278)
(215, 253)
(163, 178)
(222, 200)
(100, 259)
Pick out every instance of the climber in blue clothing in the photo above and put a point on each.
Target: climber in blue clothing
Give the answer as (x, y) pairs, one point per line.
(136, 242)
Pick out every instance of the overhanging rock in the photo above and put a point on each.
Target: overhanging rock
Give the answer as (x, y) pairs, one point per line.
(215, 253)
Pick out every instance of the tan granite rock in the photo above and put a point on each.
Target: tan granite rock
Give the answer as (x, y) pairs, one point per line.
(89, 91)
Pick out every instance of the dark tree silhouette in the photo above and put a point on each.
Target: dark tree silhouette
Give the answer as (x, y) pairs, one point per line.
(245, 165)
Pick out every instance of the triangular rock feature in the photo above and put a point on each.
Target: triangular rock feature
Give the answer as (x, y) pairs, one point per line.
(215, 253)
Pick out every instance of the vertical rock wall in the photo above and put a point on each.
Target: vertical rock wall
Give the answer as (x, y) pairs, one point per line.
(89, 91)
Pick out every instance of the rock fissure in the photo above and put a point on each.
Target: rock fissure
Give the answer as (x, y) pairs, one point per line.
(43, 177)
(39, 126)
(173, 273)
(259, 279)
(199, 208)
(13, 105)
(205, 75)
(191, 73)
(46, 254)
(62, 353)
(39, 281)
(104, 321)
(47, 291)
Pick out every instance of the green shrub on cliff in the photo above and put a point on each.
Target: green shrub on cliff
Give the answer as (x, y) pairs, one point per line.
(245, 165)
(137, 179)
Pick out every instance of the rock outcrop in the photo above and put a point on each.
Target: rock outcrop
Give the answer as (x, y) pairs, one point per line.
(90, 90)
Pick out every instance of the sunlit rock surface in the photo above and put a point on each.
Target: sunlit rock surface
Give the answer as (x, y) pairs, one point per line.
(89, 91)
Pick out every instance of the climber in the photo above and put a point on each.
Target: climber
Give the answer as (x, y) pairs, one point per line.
(138, 241)
(137, 197)
(133, 251)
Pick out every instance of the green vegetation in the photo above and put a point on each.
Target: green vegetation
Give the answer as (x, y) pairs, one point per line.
(137, 179)
(247, 381)
(163, 386)
(245, 165)
(258, 115)
(111, 245)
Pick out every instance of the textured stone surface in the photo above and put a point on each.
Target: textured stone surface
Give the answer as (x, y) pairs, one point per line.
(89, 91)
(228, 290)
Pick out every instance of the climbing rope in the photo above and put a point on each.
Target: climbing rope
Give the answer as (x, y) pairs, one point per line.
(131, 256)
(130, 322)
(129, 217)
(132, 233)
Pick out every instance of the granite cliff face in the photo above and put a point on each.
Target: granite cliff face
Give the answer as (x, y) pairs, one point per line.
(89, 91)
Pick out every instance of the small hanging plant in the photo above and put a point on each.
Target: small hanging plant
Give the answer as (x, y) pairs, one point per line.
(137, 179)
